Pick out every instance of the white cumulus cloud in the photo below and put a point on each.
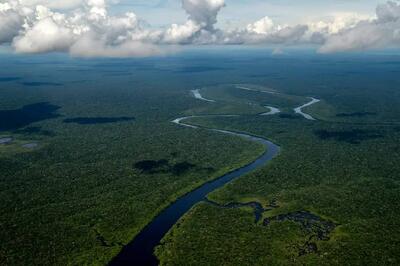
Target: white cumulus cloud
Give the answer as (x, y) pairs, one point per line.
(86, 28)
(262, 26)
(202, 16)
(45, 36)
(10, 24)
(382, 31)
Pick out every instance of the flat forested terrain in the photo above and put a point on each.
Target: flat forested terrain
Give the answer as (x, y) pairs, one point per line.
(107, 159)
(330, 198)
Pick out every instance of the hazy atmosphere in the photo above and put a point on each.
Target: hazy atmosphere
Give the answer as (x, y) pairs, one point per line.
(199, 132)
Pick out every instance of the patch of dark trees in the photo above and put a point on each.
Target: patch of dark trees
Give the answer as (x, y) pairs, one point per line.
(8, 79)
(354, 136)
(288, 116)
(97, 120)
(355, 114)
(164, 166)
(39, 84)
(199, 69)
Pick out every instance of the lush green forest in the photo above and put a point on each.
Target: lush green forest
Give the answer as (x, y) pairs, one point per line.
(107, 158)
(83, 192)
(330, 198)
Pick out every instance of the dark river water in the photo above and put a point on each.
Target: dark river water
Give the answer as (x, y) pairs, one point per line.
(140, 250)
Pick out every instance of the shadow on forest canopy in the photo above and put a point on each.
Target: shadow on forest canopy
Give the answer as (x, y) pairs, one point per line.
(8, 79)
(354, 136)
(163, 166)
(28, 114)
(97, 120)
(355, 114)
(39, 84)
(289, 116)
(199, 69)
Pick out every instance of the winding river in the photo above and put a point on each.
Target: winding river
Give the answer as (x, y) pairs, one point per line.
(197, 95)
(250, 89)
(299, 110)
(141, 250)
(273, 111)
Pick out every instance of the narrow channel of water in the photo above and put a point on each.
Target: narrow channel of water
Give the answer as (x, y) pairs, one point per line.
(197, 95)
(299, 110)
(273, 111)
(141, 250)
